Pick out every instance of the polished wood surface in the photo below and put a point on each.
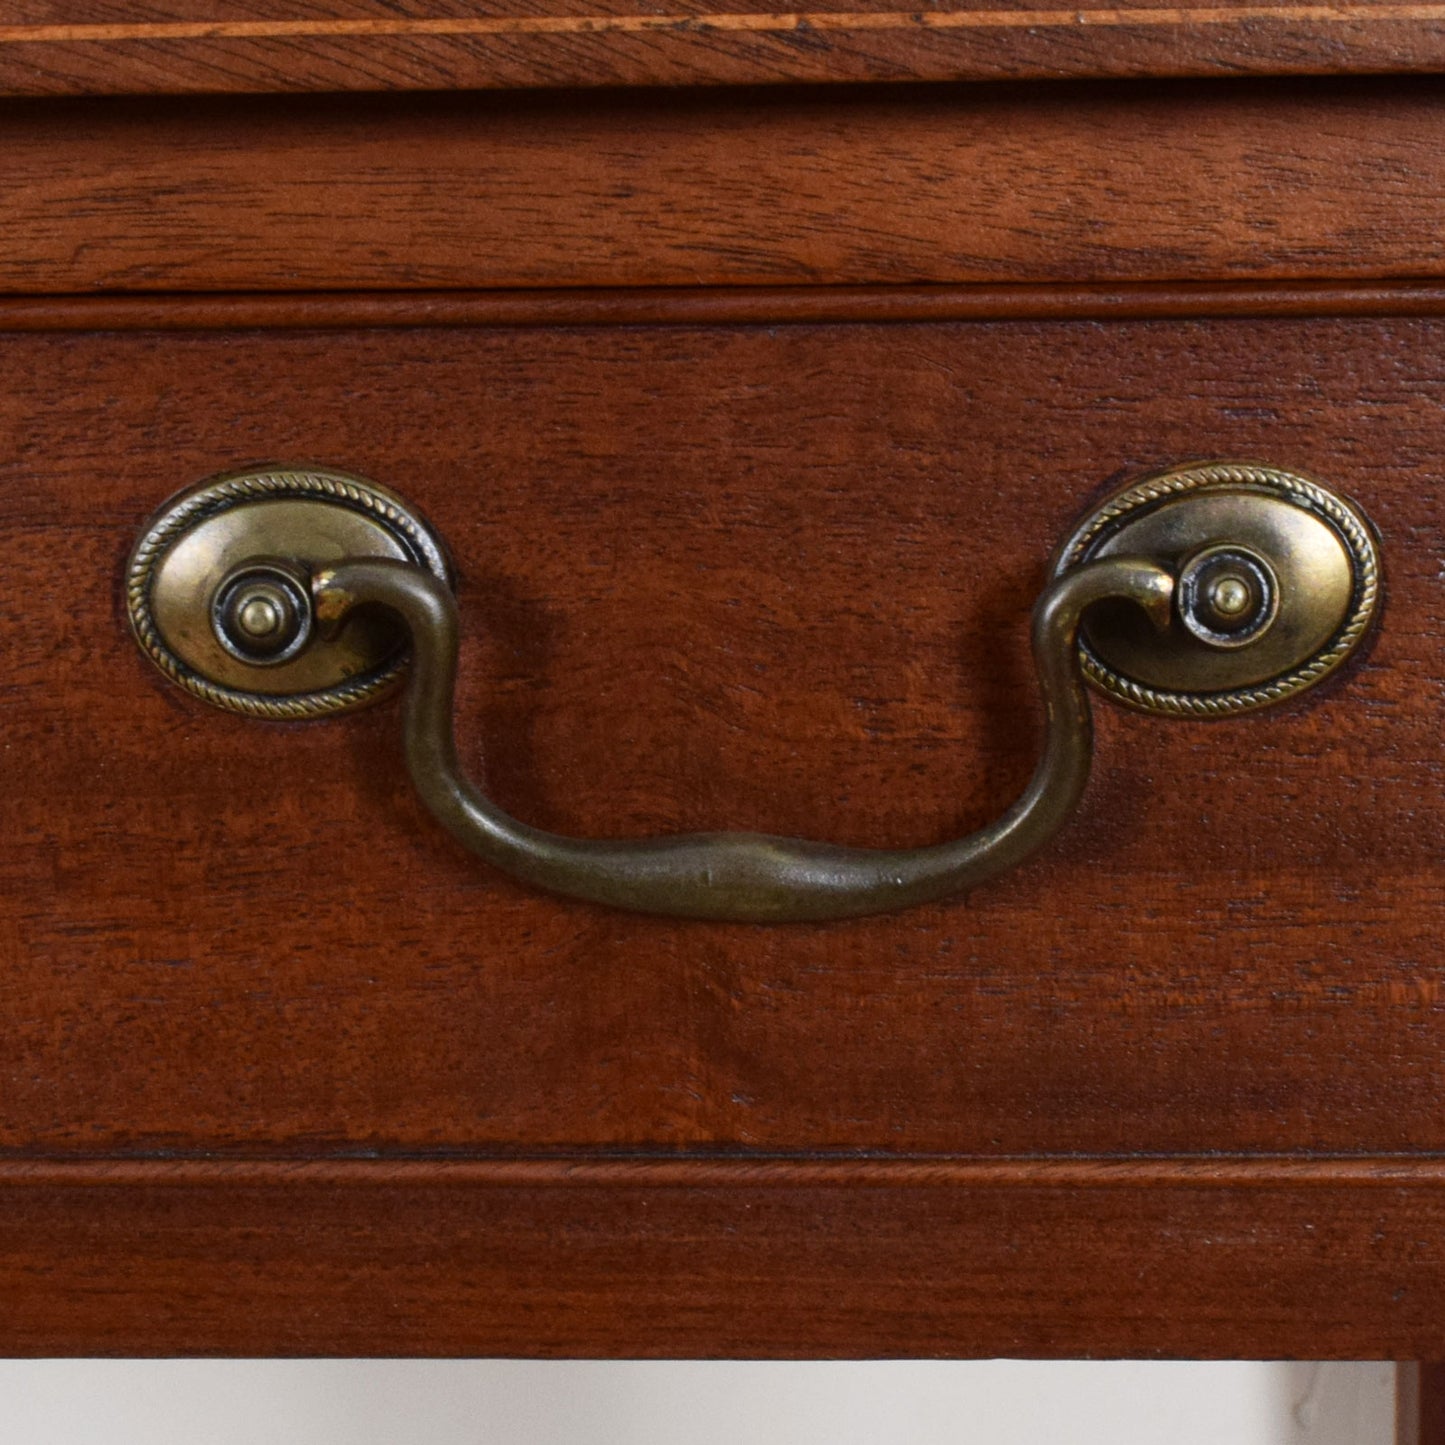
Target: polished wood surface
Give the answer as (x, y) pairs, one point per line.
(438, 1259)
(100, 47)
(1296, 180)
(717, 577)
(746, 543)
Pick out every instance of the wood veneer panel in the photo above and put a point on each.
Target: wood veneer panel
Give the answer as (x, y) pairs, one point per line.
(716, 577)
(423, 1260)
(1067, 184)
(104, 48)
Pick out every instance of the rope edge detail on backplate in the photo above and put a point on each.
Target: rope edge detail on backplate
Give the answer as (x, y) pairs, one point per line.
(1301, 491)
(267, 484)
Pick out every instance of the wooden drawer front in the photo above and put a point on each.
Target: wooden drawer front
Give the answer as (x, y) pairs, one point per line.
(1275, 180)
(744, 577)
(752, 418)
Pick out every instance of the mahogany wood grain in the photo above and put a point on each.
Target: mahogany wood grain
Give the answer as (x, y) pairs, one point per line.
(285, 1072)
(105, 48)
(716, 577)
(421, 1260)
(746, 540)
(1294, 181)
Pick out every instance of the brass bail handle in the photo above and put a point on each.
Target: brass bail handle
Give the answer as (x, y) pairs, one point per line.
(1209, 589)
(740, 876)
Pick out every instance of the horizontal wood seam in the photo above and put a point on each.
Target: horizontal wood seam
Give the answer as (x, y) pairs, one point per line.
(1190, 1171)
(712, 306)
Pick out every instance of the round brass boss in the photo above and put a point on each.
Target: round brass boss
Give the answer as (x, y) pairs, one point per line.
(1277, 582)
(262, 615)
(1228, 596)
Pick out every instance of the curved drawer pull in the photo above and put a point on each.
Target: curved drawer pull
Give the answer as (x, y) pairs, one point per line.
(741, 876)
(275, 593)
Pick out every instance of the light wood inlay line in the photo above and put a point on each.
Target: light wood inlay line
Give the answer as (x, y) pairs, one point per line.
(822, 21)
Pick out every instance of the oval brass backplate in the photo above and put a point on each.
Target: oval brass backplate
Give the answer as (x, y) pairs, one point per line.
(1278, 584)
(207, 615)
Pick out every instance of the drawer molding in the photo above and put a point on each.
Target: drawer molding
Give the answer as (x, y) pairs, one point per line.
(716, 306)
(1194, 1256)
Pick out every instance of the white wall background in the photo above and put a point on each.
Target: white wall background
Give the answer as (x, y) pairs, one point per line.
(510, 1402)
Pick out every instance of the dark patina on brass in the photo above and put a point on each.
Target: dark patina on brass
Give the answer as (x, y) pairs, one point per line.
(218, 589)
(262, 613)
(746, 877)
(1279, 582)
(1215, 575)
